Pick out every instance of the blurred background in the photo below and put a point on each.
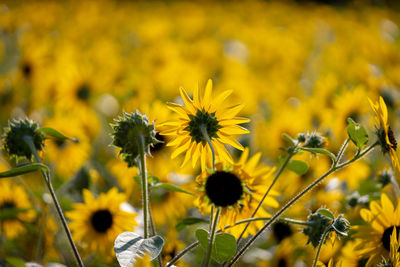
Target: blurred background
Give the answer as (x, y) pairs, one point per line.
(298, 66)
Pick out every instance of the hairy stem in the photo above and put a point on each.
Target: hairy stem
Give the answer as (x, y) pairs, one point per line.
(28, 140)
(267, 192)
(145, 187)
(321, 242)
(207, 258)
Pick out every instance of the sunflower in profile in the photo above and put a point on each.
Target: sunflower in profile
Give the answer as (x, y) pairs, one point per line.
(204, 116)
(237, 189)
(15, 209)
(382, 218)
(384, 132)
(97, 222)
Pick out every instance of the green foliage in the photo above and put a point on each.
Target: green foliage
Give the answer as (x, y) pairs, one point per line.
(54, 133)
(224, 247)
(298, 166)
(357, 133)
(23, 169)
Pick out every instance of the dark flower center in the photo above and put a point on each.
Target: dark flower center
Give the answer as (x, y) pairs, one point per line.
(282, 262)
(101, 220)
(83, 92)
(391, 138)
(202, 119)
(224, 188)
(281, 231)
(60, 143)
(386, 236)
(158, 146)
(7, 205)
(27, 69)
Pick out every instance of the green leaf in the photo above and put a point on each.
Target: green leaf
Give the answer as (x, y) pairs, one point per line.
(189, 221)
(298, 166)
(326, 213)
(15, 262)
(357, 133)
(129, 246)
(319, 151)
(171, 187)
(152, 180)
(54, 133)
(288, 139)
(224, 247)
(202, 237)
(23, 169)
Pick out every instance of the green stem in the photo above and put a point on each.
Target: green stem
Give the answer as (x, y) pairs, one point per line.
(203, 130)
(341, 150)
(334, 168)
(321, 242)
(28, 140)
(145, 187)
(291, 154)
(182, 253)
(207, 258)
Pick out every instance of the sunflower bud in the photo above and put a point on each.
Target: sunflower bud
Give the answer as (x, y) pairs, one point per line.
(129, 130)
(314, 140)
(15, 135)
(341, 225)
(385, 177)
(317, 225)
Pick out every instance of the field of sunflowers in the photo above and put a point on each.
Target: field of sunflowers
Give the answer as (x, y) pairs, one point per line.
(205, 133)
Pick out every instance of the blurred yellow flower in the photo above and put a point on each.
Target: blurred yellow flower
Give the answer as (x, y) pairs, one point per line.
(96, 223)
(16, 209)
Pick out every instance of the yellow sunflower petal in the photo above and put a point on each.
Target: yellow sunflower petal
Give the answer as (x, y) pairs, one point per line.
(188, 102)
(207, 95)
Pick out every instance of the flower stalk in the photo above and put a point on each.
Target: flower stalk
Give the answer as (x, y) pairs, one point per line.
(145, 186)
(203, 129)
(28, 140)
(207, 258)
(321, 242)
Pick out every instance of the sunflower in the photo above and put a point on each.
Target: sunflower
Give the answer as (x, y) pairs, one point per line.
(382, 218)
(97, 222)
(384, 132)
(237, 189)
(201, 117)
(15, 209)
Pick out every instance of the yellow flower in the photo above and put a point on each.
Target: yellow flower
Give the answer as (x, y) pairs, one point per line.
(237, 190)
(382, 218)
(97, 222)
(15, 209)
(201, 115)
(385, 134)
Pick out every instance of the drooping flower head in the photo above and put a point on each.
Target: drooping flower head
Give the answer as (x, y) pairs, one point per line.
(15, 134)
(97, 222)
(204, 114)
(384, 132)
(129, 130)
(237, 189)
